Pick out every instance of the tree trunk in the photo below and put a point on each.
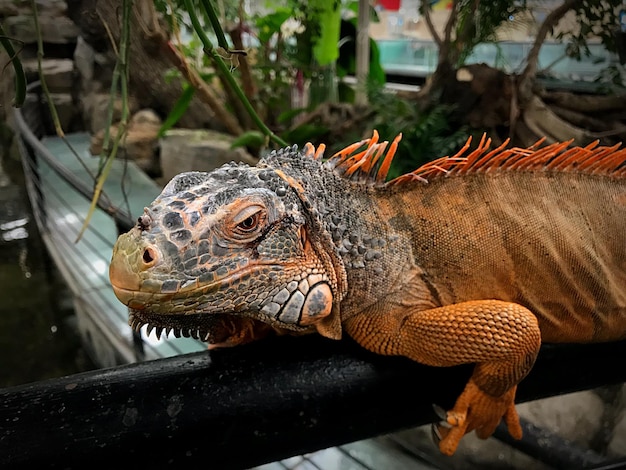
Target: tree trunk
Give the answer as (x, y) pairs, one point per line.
(148, 61)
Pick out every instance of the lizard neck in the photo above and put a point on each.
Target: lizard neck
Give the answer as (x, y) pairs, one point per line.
(375, 248)
(370, 251)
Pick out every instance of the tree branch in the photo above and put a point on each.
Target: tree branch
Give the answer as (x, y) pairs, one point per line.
(429, 23)
(451, 22)
(247, 82)
(205, 93)
(528, 75)
(466, 34)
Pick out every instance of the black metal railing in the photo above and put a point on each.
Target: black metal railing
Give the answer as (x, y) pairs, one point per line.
(245, 406)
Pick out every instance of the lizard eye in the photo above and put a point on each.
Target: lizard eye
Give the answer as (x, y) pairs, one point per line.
(249, 224)
(249, 220)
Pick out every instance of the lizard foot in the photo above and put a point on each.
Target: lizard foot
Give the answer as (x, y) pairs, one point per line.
(475, 410)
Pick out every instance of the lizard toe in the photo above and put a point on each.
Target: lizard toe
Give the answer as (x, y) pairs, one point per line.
(451, 437)
(476, 410)
(511, 419)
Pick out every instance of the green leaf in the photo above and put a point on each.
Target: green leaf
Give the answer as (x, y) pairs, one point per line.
(172, 74)
(377, 73)
(268, 25)
(253, 139)
(327, 15)
(287, 116)
(178, 110)
(305, 133)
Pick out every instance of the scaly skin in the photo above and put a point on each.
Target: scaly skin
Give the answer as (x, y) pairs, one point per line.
(497, 252)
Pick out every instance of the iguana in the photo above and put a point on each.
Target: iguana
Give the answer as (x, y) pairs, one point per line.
(474, 258)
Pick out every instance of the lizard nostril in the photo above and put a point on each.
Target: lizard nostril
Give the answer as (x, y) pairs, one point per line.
(149, 257)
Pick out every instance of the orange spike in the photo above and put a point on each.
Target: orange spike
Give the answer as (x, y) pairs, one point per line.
(478, 151)
(367, 157)
(353, 169)
(610, 161)
(480, 160)
(592, 159)
(509, 157)
(537, 144)
(348, 162)
(352, 147)
(319, 153)
(568, 157)
(468, 142)
(341, 154)
(386, 164)
(375, 137)
(538, 157)
(544, 156)
(594, 144)
(308, 149)
(482, 140)
(603, 161)
(609, 152)
(371, 163)
(587, 164)
(355, 163)
(407, 178)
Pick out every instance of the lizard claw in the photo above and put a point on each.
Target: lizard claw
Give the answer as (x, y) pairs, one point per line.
(475, 410)
(436, 434)
(440, 430)
(440, 412)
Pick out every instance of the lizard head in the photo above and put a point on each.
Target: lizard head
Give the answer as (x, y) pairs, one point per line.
(226, 257)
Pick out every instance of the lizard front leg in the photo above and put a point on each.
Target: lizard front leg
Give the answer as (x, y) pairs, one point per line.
(502, 338)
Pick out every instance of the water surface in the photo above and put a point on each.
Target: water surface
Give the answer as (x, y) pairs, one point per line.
(38, 337)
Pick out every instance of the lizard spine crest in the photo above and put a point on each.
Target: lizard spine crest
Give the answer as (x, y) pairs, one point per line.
(371, 164)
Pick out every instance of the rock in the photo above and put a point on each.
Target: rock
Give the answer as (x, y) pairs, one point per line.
(146, 117)
(84, 57)
(8, 8)
(198, 150)
(617, 442)
(51, 8)
(59, 73)
(66, 110)
(54, 30)
(95, 106)
(7, 92)
(140, 142)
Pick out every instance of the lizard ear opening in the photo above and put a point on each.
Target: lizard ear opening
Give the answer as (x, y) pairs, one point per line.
(330, 326)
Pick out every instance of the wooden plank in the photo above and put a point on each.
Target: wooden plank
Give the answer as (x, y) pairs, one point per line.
(126, 181)
(84, 264)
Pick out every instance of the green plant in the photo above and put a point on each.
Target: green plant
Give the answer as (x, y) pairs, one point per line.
(20, 76)
(426, 135)
(478, 22)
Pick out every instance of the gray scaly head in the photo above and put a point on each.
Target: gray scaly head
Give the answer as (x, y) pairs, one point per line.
(222, 252)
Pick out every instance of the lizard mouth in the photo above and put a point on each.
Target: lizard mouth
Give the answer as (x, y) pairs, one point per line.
(187, 326)
(217, 329)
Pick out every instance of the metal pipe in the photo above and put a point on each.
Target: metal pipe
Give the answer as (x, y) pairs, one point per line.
(245, 406)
